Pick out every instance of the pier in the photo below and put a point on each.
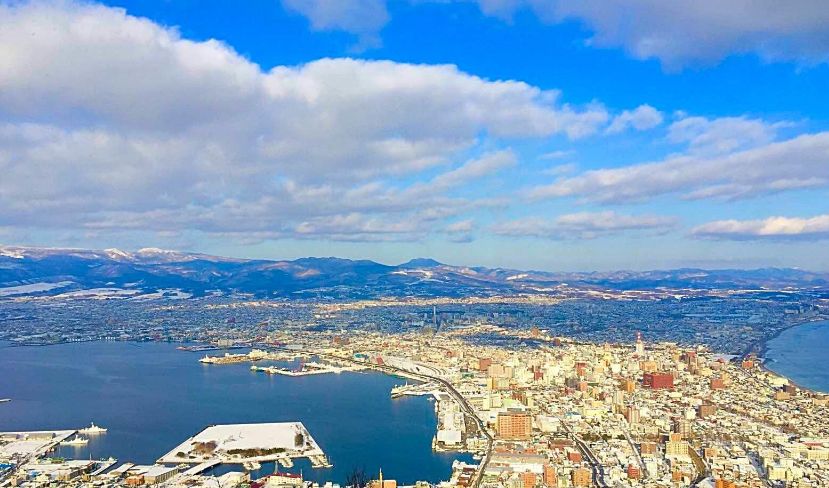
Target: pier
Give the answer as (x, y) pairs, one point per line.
(201, 468)
(307, 369)
(421, 389)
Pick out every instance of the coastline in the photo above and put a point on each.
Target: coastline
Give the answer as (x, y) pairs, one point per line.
(327, 431)
(760, 347)
(764, 361)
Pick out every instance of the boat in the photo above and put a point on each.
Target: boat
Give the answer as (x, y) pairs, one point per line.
(5, 400)
(76, 441)
(92, 429)
(251, 465)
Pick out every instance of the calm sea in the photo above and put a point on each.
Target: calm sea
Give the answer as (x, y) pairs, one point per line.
(151, 397)
(802, 354)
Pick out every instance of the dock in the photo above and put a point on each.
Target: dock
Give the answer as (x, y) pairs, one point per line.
(201, 468)
(320, 461)
(103, 466)
(307, 369)
(414, 390)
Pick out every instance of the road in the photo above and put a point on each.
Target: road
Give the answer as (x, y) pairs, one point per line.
(467, 409)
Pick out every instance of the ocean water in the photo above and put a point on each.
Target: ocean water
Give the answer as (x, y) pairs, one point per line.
(802, 354)
(152, 397)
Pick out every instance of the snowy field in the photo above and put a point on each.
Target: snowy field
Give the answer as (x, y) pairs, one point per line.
(237, 443)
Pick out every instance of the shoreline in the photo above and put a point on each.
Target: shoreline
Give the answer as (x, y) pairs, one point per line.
(763, 360)
(760, 347)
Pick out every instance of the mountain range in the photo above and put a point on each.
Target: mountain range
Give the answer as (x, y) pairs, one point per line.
(51, 271)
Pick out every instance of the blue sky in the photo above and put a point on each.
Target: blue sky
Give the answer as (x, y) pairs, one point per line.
(556, 135)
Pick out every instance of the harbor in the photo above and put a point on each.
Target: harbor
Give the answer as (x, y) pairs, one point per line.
(351, 416)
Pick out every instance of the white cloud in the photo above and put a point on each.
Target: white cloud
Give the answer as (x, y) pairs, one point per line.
(722, 135)
(476, 168)
(364, 18)
(679, 33)
(643, 117)
(792, 164)
(467, 225)
(124, 124)
(583, 225)
(561, 169)
(461, 231)
(772, 228)
(556, 154)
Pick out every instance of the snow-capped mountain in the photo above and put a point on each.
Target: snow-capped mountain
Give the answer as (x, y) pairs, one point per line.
(37, 270)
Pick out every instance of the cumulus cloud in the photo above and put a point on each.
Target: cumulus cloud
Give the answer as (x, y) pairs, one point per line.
(722, 135)
(476, 168)
(125, 124)
(692, 32)
(583, 225)
(796, 163)
(772, 228)
(643, 117)
(678, 33)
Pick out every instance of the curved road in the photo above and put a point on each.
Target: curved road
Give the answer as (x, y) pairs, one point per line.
(467, 409)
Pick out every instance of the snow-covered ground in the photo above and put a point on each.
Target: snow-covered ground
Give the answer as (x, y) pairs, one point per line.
(234, 437)
(32, 288)
(164, 294)
(100, 293)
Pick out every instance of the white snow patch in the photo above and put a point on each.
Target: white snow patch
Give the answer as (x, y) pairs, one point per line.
(100, 293)
(10, 253)
(32, 288)
(517, 277)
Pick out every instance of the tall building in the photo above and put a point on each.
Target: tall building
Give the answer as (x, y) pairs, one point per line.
(529, 479)
(550, 476)
(640, 346)
(514, 424)
(657, 381)
(676, 446)
(582, 477)
(632, 414)
(683, 427)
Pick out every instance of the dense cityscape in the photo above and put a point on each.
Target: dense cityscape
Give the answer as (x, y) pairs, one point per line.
(414, 244)
(627, 389)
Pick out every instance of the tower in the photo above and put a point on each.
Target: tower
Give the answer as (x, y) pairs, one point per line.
(640, 346)
(381, 478)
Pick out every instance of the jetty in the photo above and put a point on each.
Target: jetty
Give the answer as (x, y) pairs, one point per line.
(307, 369)
(419, 389)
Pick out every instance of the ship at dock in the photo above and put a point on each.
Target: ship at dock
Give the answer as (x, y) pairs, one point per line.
(92, 430)
(75, 441)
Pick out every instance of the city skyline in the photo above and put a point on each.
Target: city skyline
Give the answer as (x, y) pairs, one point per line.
(527, 135)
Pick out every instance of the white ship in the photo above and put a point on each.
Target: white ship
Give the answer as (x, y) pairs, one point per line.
(251, 465)
(92, 430)
(76, 441)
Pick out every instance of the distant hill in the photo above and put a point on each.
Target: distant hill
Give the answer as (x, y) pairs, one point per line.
(45, 271)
